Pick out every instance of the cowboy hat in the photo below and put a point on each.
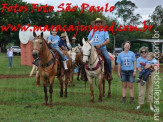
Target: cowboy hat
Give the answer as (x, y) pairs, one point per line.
(63, 35)
(98, 20)
(73, 38)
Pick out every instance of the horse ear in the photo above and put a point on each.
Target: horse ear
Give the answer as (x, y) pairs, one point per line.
(34, 34)
(41, 34)
(91, 41)
(83, 41)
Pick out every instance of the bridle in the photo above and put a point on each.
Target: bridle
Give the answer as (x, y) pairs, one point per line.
(90, 55)
(43, 66)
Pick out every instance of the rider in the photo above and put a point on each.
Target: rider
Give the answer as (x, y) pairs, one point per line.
(54, 43)
(62, 43)
(100, 40)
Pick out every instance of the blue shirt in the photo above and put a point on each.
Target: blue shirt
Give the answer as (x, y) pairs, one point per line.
(126, 60)
(140, 59)
(98, 37)
(55, 40)
(153, 61)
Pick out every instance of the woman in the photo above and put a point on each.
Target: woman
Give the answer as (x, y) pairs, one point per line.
(10, 56)
(127, 71)
(149, 85)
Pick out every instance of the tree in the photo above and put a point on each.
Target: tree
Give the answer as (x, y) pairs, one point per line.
(124, 9)
(157, 16)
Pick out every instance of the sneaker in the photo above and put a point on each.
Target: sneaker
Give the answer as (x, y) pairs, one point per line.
(138, 107)
(66, 58)
(142, 83)
(138, 80)
(151, 108)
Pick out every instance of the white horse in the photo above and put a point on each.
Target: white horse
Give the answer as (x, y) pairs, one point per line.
(94, 67)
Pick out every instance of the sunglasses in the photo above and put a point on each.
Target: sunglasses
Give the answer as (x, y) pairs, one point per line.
(143, 51)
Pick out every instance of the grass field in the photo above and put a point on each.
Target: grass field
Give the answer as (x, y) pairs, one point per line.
(21, 100)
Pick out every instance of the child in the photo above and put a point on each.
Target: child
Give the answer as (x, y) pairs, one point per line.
(54, 40)
(144, 74)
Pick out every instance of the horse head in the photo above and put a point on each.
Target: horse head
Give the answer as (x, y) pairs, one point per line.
(37, 44)
(73, 54)
(86, 48)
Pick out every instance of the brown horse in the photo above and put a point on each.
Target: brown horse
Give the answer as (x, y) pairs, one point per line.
(48, 67)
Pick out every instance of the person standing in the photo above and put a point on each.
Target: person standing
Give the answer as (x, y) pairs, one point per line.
(149, 85)
(10, 56)
(127, 71)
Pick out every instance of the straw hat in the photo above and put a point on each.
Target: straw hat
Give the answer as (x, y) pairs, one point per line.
(98, 20)
(74, 38)
(63, 35)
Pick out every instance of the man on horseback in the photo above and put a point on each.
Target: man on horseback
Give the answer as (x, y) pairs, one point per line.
(100, 40)
(54, 43)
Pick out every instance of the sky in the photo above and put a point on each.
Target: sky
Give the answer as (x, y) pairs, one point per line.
(145, 7)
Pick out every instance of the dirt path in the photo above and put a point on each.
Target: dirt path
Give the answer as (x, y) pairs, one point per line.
(13, 76)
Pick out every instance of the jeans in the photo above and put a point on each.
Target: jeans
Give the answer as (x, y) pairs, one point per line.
(127, 76)
(60, 53)
(10, 61)
(144, 74)
(107, 58)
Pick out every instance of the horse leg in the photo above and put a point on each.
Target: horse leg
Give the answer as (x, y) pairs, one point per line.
(78, 74)
(103, 87)
(100, 89)
(72, 79)
(46, 96)
(66, 83)
(51, 92)
(61, 86)
(109, 91)
(91, 88)
(37, 78)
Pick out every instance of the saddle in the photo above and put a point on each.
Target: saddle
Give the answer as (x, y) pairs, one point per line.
(106, 71)
(60, 67)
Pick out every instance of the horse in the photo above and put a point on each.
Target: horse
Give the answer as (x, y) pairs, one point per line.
(72, 54)
(94, 67)
(48, 67)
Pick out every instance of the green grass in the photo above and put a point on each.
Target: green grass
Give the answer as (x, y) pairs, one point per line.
(21, 100)
(16, 69)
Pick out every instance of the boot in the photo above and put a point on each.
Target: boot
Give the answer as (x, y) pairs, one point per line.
(65, 65)
(123, 100)
(131, 100)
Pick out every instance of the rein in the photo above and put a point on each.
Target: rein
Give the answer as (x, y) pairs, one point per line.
(98, 63)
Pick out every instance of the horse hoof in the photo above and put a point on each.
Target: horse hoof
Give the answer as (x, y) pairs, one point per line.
(73, 84)
(38, 85)
(109, 96)
(92, 101)
(99, 100)
(44, 104)
(65, 96)
(50, 105)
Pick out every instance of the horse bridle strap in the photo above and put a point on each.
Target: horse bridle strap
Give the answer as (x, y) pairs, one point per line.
(94, 68)
(48, 64)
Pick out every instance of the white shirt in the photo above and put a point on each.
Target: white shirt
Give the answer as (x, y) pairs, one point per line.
(10, 53)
